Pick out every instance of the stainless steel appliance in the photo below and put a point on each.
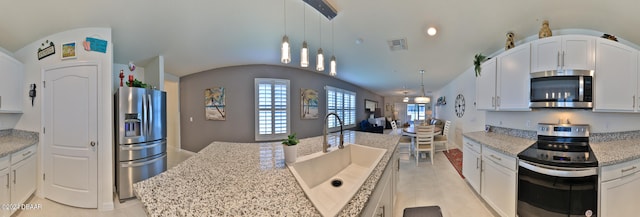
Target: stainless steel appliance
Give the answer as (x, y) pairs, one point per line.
(141, 136)
(562, 89)
(557, 175)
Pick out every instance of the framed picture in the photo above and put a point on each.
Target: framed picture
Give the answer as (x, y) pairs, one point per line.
(214, 104)
(69, 50)
(308, 104)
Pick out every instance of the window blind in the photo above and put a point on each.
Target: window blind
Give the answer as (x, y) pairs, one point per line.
(272, 110)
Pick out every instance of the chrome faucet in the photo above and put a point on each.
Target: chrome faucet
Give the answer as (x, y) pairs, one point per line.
(325, 145)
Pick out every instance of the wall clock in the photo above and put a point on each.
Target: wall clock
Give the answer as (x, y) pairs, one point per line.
(459, 105)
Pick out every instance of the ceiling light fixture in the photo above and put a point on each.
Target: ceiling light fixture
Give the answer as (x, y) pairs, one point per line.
(406, 98)
(320, 57)
(286, 49)
(304, 52)
(431, 31)
(422, 99)
(332, 63)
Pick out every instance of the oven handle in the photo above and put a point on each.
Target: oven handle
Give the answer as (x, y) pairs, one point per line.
(559, 171)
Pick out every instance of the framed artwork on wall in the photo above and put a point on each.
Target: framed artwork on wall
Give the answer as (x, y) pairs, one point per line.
(69, 50)
(214, 104)
(308, 104)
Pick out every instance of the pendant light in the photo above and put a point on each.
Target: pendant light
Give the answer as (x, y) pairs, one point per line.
(286, 49)
(332, 63)
(406, 98)
(422, 99)
(320, 57)
(304, 52)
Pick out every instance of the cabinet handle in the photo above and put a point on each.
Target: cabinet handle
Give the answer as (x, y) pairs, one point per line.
(14, 177)
(563, 59)
(494, 157)
(27, 153)
(558, 58)
(7, 180)
(629, 169)
(381, 214)
(493, 101)
(498, 101)
(469, 144)
(634, 101)
(477, 163)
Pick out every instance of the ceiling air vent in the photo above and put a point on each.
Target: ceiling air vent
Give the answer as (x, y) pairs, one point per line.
(398, 44)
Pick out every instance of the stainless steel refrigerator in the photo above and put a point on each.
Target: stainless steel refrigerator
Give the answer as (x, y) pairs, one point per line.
(140, 136)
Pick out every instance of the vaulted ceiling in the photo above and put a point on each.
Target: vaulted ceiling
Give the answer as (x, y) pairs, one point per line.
(197, 35)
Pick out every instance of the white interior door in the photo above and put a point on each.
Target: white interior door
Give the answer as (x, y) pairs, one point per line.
(70, 134)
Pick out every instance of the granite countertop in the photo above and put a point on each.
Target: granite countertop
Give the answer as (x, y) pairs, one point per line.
(12, 141)
(607, 153)
(509, 145)
(249, 179)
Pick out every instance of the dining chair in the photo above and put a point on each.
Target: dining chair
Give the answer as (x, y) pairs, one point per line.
(394, 128)
(442, 139)
(424, 141)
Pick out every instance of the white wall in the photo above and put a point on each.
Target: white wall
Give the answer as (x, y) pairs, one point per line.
(31, 118)
(154, 73)
(472, 120)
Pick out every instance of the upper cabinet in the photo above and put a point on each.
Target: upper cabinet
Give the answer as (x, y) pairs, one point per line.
(11, 84)
(616, 83)
(503, 83)
(567, 52)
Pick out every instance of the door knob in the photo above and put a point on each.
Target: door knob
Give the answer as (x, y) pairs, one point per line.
(93, 144)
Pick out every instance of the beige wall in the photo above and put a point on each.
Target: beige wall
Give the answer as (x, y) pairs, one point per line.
(173, 113)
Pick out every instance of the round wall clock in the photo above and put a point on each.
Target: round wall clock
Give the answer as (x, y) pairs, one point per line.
(459, 105)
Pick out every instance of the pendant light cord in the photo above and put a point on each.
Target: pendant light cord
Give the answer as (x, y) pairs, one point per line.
(304, 26)
(284, 6)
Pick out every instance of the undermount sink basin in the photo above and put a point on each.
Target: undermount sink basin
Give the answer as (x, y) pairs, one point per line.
(331, 179)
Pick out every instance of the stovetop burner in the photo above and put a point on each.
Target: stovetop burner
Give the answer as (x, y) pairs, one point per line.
(561, 145)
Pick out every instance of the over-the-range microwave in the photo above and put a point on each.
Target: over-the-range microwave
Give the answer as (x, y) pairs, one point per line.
(562, 89)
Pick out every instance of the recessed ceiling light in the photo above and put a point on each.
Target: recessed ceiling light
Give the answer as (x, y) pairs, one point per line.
(431, 31)
(359, 40)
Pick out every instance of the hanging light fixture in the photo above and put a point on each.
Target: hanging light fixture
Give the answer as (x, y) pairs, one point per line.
(320, 57)
(286, 49)
(332, 63)
(423, 98)
(304, 52)
(406, 98)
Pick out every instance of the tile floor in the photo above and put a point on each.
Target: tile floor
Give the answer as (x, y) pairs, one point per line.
(425, 185)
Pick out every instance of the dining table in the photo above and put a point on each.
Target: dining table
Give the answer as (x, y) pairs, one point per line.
(410, 131)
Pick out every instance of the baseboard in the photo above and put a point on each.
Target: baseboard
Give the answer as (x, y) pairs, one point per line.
(106, 206)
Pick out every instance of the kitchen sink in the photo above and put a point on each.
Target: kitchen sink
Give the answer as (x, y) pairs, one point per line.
(331, 179)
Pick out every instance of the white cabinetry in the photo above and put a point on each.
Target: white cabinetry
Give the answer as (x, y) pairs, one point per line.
(381, 202)
(5, 190)
(498, 183)
(620, 186)
(507, 87)
(574, 52)
(616, 83)
(11, 84)
(471, 163)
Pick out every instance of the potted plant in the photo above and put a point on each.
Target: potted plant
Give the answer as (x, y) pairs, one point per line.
(290, 148)
(477, 61)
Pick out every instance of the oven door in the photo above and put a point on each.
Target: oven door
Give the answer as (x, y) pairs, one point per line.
(556, 191)
(561, 91)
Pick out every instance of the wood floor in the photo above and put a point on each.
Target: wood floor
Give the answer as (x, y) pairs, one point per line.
(425, 185)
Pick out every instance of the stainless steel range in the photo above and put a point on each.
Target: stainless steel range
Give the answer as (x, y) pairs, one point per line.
(557, 175)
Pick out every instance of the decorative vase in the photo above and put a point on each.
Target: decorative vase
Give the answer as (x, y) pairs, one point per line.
(290, 153)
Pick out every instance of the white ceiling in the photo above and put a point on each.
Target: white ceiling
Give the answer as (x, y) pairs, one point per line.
(197, 35)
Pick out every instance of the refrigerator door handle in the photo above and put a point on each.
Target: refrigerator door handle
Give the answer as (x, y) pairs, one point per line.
(144, 115)
(150, 129)
(140, 147)
(142, 162)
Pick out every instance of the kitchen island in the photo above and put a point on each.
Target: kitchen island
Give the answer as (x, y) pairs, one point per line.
(250, 179)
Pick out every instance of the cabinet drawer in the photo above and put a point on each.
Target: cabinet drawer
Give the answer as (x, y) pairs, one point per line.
(4, 162)
(23, 154)
(474, 146)
(499, 158)
(620, 170)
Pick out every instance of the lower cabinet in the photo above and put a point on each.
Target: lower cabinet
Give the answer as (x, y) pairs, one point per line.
(619, 188)
(381, 202)
(498, 182)
(17, 179)
(471, 163)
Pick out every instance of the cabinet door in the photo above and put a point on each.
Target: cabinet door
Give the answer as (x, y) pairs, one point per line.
(616, 195)
(471, 164)
(23, 179)
(617, 67)
(498, 186)
(545, 54)
(11, 84)
(5, 192)
(578, 52)
(486, 86)
(513, 79)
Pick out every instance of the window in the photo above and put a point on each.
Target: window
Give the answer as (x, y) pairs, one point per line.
(417, 111)
(343, 103)
(272, 109)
